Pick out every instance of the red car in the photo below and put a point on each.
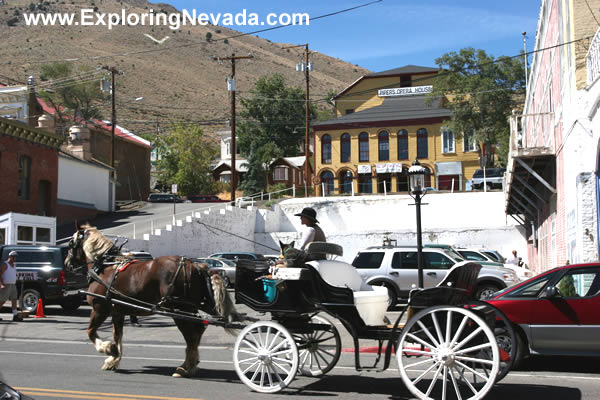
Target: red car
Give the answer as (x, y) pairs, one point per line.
(556, 312)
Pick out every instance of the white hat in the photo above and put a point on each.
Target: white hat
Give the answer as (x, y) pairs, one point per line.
(12, 254)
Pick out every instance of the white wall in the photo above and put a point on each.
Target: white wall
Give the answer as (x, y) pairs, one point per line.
(464, 219)
(467, 219)
(230, 229)
(85, 183)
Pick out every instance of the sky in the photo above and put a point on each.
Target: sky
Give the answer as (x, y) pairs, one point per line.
(393, 33)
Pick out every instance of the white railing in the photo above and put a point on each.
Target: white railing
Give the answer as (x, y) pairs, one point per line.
(593, 59)
(251, 199)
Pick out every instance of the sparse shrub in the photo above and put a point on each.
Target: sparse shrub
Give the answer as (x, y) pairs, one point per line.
(12, 21)
(226, 41)
(218, 31)
(208, 36)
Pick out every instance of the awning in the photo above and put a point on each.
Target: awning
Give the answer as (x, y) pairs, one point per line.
(530, 182)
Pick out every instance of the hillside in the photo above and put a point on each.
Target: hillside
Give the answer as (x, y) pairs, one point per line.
(182, 82)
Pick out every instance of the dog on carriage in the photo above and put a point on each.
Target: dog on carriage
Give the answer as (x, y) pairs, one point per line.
(169, 285)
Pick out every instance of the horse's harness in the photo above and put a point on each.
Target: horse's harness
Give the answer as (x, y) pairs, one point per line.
(103, 261)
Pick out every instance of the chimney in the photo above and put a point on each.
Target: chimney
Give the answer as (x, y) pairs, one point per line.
(78, 143)
(46, 122)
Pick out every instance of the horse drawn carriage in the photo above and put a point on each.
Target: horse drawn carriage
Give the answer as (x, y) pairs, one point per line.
(446, 348)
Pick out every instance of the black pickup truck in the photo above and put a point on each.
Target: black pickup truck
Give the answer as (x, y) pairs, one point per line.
(41, 274)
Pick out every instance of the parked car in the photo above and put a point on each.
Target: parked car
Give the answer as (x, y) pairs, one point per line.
(204, 198)
(395, 267)
(224, 266)
(234, 256)
(493, 178)
(164, 198)
(42, 275)
(494, 255)
(478, 255)
(555, 312)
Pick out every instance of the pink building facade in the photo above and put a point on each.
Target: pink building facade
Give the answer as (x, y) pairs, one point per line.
(551, 179)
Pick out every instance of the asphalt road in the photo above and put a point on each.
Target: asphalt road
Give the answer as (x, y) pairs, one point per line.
(50, 358)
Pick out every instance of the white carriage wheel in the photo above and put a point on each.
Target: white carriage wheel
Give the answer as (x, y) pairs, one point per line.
(265, 357)
(320, 350)
(448, 352)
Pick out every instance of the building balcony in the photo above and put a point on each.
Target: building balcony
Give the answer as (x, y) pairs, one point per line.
(593, 59)
(530, 179)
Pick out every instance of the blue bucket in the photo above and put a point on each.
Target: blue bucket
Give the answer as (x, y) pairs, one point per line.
(270, 288)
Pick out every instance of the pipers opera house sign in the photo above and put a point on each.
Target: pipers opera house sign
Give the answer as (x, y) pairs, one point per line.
(405, 91)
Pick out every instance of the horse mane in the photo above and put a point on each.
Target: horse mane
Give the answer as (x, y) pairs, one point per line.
(96, 243)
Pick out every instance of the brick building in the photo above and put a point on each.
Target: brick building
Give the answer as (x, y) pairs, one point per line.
(28, 169)
(552, 180)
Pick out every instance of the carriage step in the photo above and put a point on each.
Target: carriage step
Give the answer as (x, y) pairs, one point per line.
(390, 326)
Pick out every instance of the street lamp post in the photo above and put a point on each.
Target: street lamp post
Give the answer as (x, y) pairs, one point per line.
(416, 175)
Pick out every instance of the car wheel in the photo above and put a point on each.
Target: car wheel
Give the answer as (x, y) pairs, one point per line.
(226, 281)
(30, 299)
(486, 290)
(489, 186)
(71, 303)
(505, 341)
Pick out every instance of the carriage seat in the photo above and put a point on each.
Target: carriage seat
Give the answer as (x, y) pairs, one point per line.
(371, 302)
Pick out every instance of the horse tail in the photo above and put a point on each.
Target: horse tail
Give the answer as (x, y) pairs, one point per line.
(223, 303)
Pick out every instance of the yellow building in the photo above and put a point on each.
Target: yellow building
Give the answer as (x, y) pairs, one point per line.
(383, 124)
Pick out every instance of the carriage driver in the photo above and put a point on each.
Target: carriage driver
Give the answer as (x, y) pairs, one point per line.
(312, 232)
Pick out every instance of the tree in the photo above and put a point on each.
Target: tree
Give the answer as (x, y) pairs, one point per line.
(72, 100)
(481, 92)
(186, 160)
(272, 126)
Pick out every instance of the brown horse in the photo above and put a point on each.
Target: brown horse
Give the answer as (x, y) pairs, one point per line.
(176, 283)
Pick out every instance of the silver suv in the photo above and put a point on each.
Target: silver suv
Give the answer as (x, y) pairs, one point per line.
(395, 267)
(493, 178)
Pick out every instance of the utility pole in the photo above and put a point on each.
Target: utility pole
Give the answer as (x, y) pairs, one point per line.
(525, 55)
(231, 89)
(305, 66)
(113, 71)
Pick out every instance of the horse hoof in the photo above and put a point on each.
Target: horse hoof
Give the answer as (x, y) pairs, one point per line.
(180, 373)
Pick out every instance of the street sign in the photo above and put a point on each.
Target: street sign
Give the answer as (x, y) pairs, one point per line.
(174, 188)
(26, 276)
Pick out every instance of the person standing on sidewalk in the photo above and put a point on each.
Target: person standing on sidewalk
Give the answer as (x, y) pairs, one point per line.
(8, 284)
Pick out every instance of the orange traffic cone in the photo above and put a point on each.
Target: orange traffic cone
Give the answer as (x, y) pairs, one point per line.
(39, 313)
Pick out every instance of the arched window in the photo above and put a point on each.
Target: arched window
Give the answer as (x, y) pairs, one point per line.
(402, 144)
(345, 148)
(363, 146)
(346, 182)
(422, 150)
(384, 146)
(326, 149)
(327, 180)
